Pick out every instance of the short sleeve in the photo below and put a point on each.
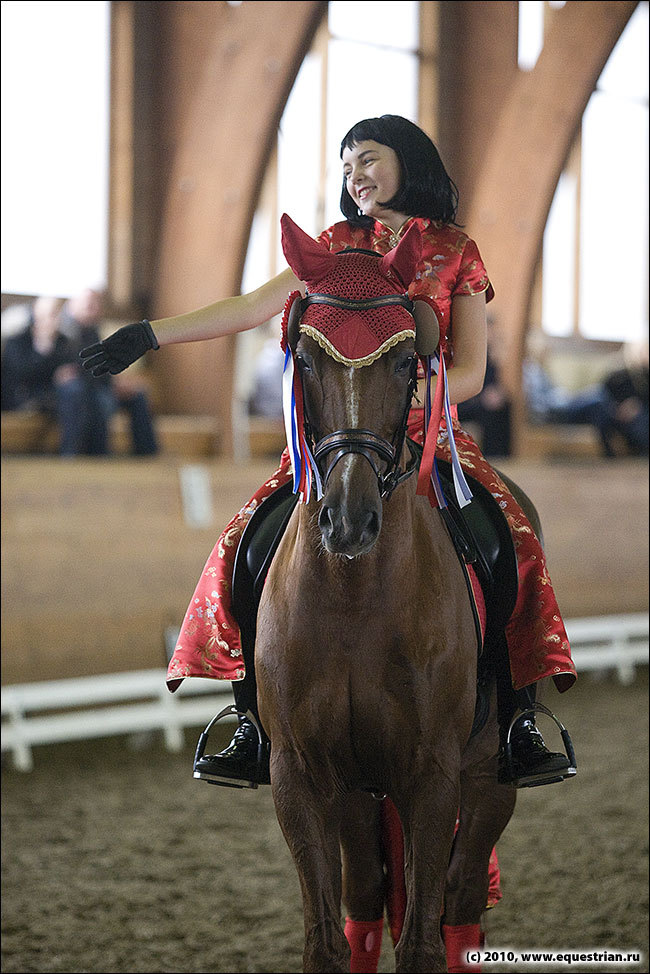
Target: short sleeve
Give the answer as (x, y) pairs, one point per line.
(472, 275)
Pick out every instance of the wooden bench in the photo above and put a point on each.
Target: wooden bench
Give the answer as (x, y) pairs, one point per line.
(560, 441)
(266, 437)
(30, 432)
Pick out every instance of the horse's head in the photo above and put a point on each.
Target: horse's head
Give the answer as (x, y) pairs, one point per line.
(356, 337)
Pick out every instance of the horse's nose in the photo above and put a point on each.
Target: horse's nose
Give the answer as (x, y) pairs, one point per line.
(344, 534)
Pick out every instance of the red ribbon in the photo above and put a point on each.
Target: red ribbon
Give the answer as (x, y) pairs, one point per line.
(425, 487)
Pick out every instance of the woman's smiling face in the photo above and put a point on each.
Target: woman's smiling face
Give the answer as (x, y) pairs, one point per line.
(373, 176)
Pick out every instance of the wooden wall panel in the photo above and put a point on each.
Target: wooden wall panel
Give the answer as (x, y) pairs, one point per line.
(97, 560)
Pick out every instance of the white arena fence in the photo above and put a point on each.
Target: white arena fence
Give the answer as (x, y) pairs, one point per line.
(139, 702)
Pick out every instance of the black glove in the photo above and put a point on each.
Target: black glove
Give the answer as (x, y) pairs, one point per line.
(119, 350)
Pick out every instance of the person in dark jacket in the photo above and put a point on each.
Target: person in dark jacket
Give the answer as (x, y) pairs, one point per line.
(40, 371)
(626, 392)
(81, 320)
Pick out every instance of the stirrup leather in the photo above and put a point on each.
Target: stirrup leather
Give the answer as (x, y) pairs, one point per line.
(540, 779)
(224, 780)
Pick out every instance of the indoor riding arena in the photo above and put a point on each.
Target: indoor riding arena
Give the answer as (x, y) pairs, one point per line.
(114, 858)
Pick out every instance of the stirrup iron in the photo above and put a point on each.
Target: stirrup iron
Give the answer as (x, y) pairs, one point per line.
(551, 777)
(214, 779)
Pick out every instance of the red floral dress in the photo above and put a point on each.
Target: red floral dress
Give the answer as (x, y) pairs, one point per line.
(209, 643)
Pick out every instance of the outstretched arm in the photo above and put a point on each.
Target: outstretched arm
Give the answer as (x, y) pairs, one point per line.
(229, 316)
(225, 317)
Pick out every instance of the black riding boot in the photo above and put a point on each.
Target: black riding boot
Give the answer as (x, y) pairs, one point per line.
(524, 761)
(245, 761)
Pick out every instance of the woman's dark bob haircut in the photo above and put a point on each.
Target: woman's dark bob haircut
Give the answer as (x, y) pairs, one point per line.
(426, 190)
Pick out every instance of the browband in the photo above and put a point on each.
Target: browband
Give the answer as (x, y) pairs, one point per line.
(357, 304)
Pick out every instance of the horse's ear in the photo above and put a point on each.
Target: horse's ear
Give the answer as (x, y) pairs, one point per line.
(405, 257)
(427, 329)
(308, 259)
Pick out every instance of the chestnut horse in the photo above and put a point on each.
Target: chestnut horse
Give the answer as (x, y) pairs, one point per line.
(366, 652)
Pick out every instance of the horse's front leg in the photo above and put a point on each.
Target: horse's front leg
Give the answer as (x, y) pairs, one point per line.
(364, 880)
(429, 819)
(309, 814)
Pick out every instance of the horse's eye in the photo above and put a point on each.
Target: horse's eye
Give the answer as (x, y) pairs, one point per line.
(305, 363)
(405, 364)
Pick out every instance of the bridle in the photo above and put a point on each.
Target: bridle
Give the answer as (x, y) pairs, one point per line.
(370, 445)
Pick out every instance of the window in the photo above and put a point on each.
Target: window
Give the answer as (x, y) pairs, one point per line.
(55, 96)
(358, 67)
(595, 252)
(531, 14)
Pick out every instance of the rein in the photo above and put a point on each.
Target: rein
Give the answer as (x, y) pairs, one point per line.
(363, 441)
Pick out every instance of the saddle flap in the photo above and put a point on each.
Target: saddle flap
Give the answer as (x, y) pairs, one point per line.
(485, 529)
(255, 551)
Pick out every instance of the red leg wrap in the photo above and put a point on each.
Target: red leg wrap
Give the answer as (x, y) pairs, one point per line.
(393, 842)
(364, 937)
(458, 940)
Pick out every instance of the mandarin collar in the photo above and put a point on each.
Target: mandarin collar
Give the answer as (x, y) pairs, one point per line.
(394, 236)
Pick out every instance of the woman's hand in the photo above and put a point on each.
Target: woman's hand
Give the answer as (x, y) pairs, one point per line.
(225, 317)
(119, 350)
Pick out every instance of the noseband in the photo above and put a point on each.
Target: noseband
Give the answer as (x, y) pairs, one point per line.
(365, 442)
(342, 442)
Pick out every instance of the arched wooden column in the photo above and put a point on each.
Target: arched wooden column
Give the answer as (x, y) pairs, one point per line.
(223, 77)
(524, 158)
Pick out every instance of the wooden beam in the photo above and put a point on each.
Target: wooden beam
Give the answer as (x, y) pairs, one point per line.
(224, 75)
(121, 179)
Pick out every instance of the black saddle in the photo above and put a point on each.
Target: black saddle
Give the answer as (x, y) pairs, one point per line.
(255, 552)
(482, 538)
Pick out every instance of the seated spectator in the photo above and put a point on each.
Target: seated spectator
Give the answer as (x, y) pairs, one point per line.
(39, 371)
(626, 392)
(81, 320)
(618, 404)
(266, 399)
(548, 403)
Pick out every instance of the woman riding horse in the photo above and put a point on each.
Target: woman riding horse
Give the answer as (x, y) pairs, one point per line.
(393, 178)
(367, 645)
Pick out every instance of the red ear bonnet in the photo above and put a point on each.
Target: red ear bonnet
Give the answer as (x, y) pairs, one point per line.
(356, 308)
(351, 335)
(309, 260)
